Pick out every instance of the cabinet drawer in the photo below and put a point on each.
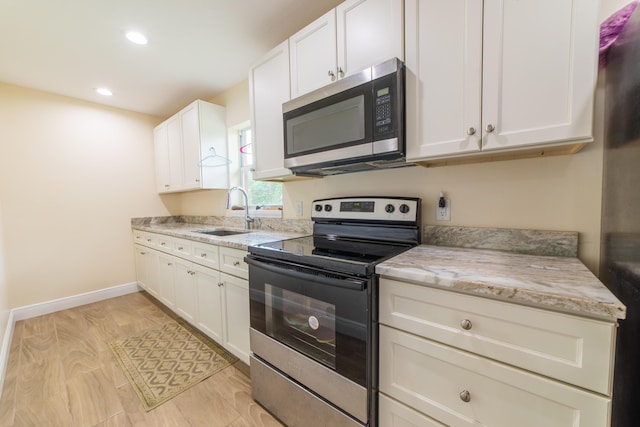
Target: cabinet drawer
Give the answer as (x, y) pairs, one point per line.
(394, 414)
(570, 348)
(183, 248)
(163, 242)
(206, 255)
(145, 238)
(434, 379)
(232, 262)
(138, 237)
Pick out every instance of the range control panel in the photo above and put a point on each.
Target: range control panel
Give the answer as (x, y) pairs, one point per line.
(405, 209)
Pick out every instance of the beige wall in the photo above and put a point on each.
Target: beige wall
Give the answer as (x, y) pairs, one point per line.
(72, 175)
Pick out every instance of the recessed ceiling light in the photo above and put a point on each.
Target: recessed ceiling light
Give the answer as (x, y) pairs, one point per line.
(136, 37)
(104, 91)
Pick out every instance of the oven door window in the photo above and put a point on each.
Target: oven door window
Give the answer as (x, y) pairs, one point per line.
(325, 319)
(304, 323)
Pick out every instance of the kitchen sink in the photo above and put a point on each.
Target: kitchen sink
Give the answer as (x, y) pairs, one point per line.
(221, 232)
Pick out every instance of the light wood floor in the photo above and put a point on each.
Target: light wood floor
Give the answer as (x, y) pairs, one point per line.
(61, 372)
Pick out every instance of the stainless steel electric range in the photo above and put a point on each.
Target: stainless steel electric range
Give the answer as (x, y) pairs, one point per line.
(313, 300)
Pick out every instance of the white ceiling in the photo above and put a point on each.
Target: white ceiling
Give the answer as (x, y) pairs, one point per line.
(197, 48)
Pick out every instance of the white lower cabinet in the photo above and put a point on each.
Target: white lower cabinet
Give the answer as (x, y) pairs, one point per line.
(460, 360)
(204, 284)
(147, 269)
(166, 280)
(210, 310)
(236, 305)
(185, 290)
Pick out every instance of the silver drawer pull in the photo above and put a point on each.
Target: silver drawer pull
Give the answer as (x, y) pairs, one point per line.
(466, 324)
(180, 248)
(163, 243)
(490, 128)
(203, 255)
(465, 396)
(471, 131)
(236, 263)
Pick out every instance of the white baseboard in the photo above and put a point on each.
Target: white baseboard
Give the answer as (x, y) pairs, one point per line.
(34, 310)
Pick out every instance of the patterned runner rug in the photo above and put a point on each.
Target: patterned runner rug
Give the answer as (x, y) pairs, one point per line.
(162, 363)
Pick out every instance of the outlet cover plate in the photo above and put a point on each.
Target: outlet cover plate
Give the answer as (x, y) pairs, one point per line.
(444, 214)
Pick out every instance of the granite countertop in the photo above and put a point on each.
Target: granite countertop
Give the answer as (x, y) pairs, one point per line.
(557, 283)
(238, 241)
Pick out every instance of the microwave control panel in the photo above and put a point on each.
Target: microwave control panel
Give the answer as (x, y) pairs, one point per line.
(383, 110)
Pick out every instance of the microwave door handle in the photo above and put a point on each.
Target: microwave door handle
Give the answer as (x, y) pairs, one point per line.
(351, 284)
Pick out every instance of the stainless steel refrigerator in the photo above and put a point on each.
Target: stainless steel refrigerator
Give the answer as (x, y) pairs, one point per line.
(620, 251)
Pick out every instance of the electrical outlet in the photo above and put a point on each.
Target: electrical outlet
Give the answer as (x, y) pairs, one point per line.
(444, 214)
(299, 208)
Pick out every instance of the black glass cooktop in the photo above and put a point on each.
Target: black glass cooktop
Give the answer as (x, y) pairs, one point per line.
(331, 253)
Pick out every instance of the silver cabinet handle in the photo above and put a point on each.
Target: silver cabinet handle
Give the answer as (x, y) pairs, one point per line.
(197, 180)
(340, 72)
(143, 253)
(490, 128)
(466, 324)
(471, 131)
(220, 284)
(167, 186)
(169, 263)
(236, 263)
(163, 243)
(180, 248)
(149, 240)
(203, 254)
(331, 74)
(465, 396)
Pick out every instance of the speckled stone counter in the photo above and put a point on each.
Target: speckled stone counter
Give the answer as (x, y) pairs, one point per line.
(557, 283)
(175, 226)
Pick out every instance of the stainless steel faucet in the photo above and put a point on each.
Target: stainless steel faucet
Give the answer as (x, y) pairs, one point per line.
(247, 219)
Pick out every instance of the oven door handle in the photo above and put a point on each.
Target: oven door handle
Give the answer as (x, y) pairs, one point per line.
(351, 284)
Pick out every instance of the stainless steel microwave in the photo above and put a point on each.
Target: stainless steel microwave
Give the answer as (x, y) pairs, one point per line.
(354, 124)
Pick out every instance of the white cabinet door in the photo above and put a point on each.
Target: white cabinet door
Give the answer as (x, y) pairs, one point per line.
(539, 71)
(166, 280)
(189, 117)
(185, 289)
(313, 55)
(204, 141)
(268, 90)
(142, 274)
(174, 141)
(236, 325)
(209, 300)
(161, 153)
(368, 32)
(443, 72)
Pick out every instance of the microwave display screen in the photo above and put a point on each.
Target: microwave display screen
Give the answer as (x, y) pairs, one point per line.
(335, 124)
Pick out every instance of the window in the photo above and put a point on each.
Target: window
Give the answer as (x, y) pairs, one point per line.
(262, 195)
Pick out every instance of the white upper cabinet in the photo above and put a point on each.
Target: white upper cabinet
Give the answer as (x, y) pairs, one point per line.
(369, 32)
(268, 90)
(313, 55)
(499, 75)
(355, 35)
(191, 149)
